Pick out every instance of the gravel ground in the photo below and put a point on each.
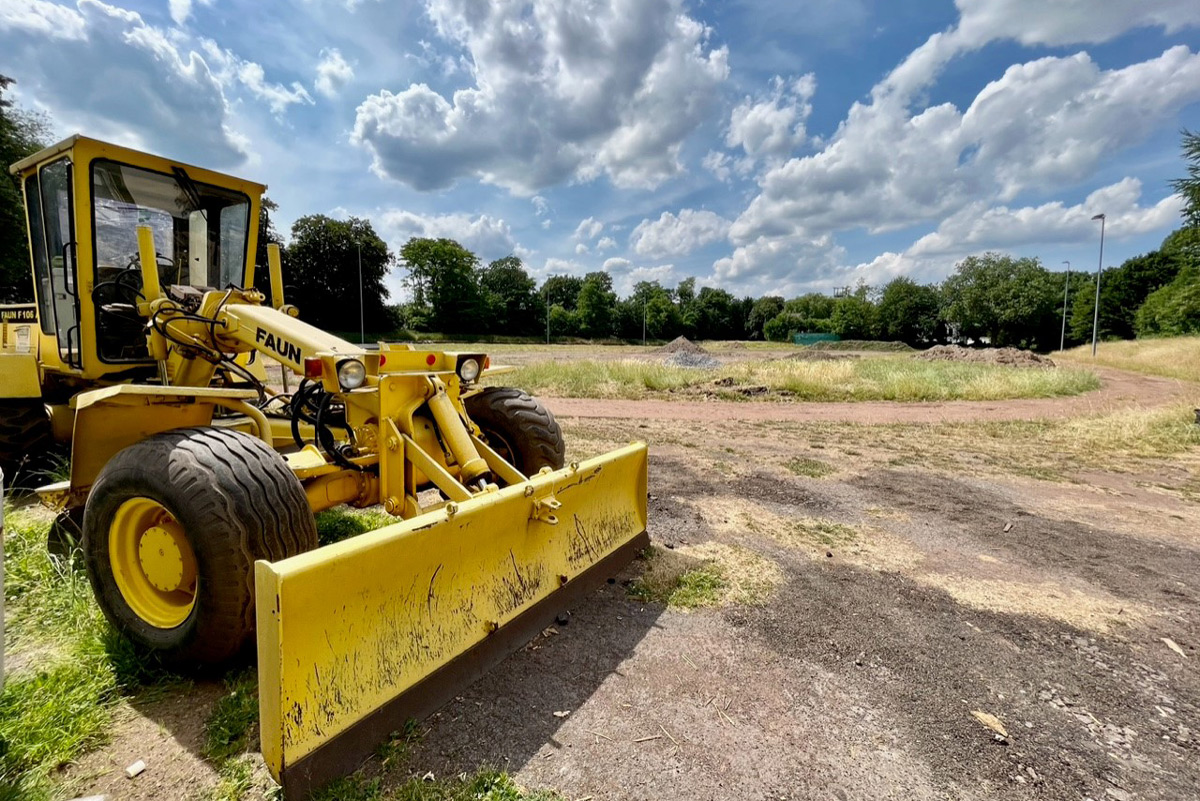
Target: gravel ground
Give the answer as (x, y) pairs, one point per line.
(918, 598)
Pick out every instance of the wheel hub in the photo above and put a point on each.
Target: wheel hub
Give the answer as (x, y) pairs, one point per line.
(152, 562)
(161, 558)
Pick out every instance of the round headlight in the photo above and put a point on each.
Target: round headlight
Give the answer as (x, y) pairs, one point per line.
(351, 374)
(469, 370)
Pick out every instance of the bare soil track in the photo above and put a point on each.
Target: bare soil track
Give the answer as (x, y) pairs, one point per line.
(947, 592)
(858, 680)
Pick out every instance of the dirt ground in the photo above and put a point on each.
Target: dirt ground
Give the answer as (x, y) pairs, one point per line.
(912, 595)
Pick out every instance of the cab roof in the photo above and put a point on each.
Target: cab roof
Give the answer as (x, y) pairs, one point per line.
(96, 147)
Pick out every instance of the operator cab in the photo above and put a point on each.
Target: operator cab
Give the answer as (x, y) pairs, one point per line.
(200, 234)
(85, 200)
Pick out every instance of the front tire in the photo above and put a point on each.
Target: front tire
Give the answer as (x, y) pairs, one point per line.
(171, 531)
(518, 427)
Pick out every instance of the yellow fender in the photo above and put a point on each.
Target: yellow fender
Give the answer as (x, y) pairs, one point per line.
(356, 637)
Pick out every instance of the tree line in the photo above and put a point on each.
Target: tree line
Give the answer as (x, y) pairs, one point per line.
(335, 272)
(992, 297)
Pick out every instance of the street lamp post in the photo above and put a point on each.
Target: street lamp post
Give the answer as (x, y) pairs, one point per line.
(1062, 343)
(362, 325)
(1099, 269)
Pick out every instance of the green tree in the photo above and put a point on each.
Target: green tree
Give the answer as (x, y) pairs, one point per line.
(597, 305)
(716, 314)
(1188, 187)
(1008, 301)
(562, 290)
(854, 315)
(909, 312)
(1122, 291)
(510, 295)
(1174, 309)
(651, 304)
(1183, 245)
(563, 322)
(781, 327)
(685, 297)
(762, 312)
(812, 311)
(21, 134)
(322, 273)
(442, 278)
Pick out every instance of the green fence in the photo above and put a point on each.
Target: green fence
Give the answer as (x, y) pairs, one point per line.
(806, 338)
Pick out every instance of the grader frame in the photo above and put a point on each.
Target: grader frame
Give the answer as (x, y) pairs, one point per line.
(151, 373)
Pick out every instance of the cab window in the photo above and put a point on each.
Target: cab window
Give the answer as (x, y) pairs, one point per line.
(200, 236)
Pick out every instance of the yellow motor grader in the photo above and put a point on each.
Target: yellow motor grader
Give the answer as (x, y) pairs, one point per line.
(198, 478)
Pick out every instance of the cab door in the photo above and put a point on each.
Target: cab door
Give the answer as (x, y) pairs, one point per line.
(50, 198)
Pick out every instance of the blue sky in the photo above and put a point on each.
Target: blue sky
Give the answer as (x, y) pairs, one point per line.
(765, 147)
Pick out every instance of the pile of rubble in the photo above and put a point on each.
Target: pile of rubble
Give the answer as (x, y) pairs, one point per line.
(1012, 357)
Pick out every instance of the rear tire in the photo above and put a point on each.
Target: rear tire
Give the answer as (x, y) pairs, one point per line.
(518, 427)
(222, 493)
(26, 440)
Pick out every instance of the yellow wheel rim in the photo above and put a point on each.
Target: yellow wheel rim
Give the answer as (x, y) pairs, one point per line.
(152, 562)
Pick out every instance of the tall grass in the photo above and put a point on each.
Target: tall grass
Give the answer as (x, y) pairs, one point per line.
(891, 379)
(55, 704)
(1173, 357)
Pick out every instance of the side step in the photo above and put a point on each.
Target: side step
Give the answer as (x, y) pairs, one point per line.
(357, 637)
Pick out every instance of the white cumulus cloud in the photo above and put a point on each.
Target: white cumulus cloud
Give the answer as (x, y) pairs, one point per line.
(561, 92)
(1041, 125)
(486, 236)
(589, 228)
(672, 235)
(123, 80)
(333, 72)
(182, 9)
(772, 127)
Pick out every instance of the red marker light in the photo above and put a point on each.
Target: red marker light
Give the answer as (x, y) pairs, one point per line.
(431, 360)
(487, 362)
(312, 367)
(382, 360)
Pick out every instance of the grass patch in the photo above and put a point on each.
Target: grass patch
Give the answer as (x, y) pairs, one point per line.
(890, 378)
(486, 785)
(57, 700)
(810, 468)
(343, 522)
(67, 665)
(1172, 357)
(234, 716)
(235, 778)
(823, 532)
(48, 718)
(707, 575)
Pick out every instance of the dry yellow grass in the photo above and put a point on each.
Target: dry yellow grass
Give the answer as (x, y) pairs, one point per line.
(706, 575)
(1044, 599)
(1173, 357)
(894, 378)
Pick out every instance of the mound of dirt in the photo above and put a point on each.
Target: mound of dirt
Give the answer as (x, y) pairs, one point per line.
(862, 344)
(1013, 357)
(680, 345)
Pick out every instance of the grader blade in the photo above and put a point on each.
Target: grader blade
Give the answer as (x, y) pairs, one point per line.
(356, 637)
